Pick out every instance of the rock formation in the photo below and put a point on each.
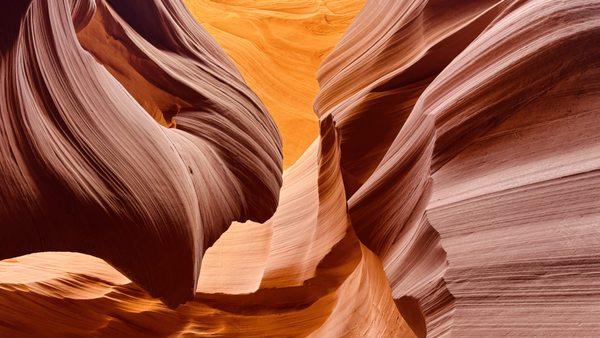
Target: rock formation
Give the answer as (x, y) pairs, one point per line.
(278, 46)
(452, 189)
(86, 168)
(469, 155)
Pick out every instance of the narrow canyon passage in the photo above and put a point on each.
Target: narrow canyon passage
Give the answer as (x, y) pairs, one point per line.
(278, 47)
(300, 168)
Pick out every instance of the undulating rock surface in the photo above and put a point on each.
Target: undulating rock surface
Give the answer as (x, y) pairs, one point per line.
(453, 188)
(470, 153)
(86, 168)
(278, 46)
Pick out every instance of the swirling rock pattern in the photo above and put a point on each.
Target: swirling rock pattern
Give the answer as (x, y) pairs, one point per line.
(469, 159)
(87, 169)
(278, 46)
(338, 289)
(452, 188)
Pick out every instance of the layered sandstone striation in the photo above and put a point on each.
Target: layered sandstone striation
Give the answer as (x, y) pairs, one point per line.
(311, 282)
(86, 168)
(452, 188)
(278, 46)
(469, 155)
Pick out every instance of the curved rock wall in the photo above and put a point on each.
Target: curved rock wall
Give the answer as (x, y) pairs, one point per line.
(453, 188)
(85, 167)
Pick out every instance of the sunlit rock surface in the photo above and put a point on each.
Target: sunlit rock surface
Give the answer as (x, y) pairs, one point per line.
(452, 187)
(130, 141)
(278, 45)
(470, 156)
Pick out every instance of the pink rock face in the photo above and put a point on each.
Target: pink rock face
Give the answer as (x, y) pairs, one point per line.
(469, 151)
(85, 168)
(453, 189)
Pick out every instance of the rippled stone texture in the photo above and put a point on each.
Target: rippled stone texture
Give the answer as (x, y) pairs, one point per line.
(452, 189)
(470, 156)
(86, 168)
(278, 46)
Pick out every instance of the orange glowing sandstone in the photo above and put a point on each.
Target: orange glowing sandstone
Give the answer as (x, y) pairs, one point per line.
(278, 46)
